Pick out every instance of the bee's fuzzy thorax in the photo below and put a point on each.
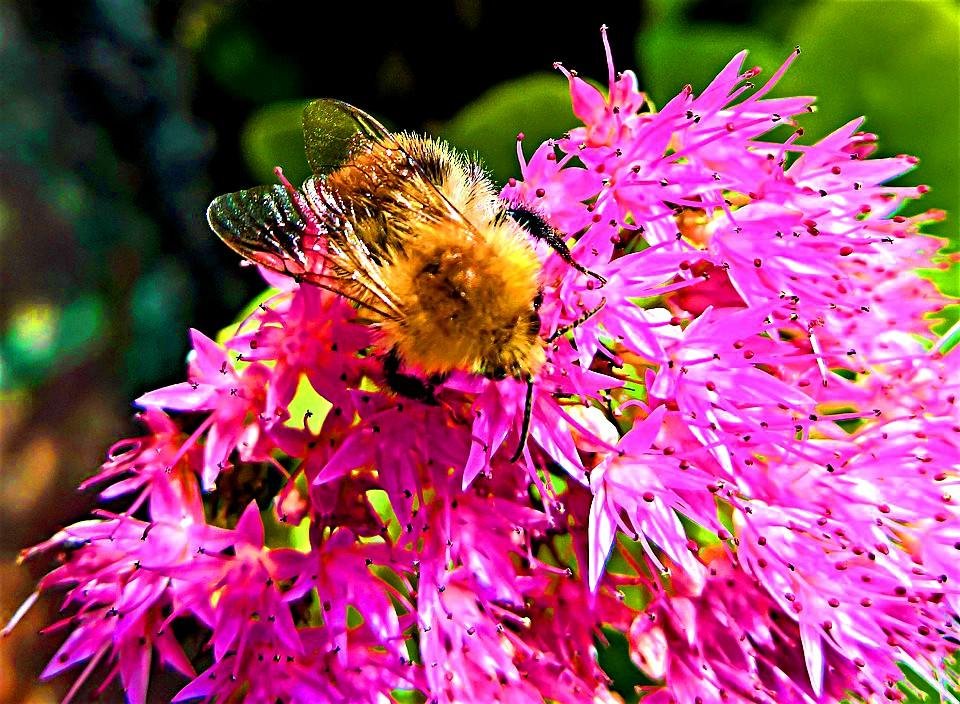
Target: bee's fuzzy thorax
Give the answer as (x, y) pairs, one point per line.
(461, 277)
(413, 232)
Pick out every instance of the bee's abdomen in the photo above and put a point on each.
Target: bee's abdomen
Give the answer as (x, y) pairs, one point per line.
(467, 304)
(446, 289)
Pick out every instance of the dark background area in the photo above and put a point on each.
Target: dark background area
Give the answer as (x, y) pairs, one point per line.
(121, 119)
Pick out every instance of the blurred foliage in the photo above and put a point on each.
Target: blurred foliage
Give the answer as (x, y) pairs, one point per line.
(613, 653)
(536, 105)
(242, 61)
(122, 118)
(274, 136)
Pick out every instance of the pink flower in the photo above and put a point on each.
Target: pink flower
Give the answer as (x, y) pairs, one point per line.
(632, 492)
(161, 463)
(118, 573)
(739, 462)
(311, 334)
(236, 400)
(726, 640)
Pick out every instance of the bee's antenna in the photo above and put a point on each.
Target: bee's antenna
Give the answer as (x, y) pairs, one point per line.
(528, 403)
(527, 413)
(564, 329)
(535, 225)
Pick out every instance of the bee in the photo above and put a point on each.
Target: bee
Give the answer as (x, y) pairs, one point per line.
(416, 236)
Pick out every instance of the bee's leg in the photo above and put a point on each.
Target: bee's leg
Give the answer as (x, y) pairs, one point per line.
(564, 329)
(406, 385)
(539, 228)
(525, 427)
(437, 379)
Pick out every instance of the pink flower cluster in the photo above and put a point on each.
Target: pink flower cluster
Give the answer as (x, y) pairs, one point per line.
(746, 462)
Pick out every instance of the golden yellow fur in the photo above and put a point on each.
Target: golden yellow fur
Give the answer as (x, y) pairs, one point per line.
(412, 232)
(461, 277)
(467, 302)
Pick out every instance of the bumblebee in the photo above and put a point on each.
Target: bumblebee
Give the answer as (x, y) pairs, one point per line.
(415, 235)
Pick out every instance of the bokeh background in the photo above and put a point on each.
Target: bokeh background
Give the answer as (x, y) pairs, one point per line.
(121, 119)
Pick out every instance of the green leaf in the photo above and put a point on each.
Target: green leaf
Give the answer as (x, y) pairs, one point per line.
(273, 136)
(918, 688)
(307, 401)
(614, 657)
(898, 63)
(247, 66)
(537, 105)
(408, 696)
(380, 502)
(948, 330)
(673, 55)
(300, 537)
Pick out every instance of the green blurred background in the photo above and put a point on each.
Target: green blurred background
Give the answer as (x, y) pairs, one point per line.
(121, 119)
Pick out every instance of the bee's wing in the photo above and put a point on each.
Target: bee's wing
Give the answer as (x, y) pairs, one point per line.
(263, 225)
(336, 134)
(267, 226)
(280, 227)
(334, 130)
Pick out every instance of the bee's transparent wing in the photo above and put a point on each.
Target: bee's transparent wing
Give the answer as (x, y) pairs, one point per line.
(266, 226)
(334, 130)
(338, 134)
(263, 225)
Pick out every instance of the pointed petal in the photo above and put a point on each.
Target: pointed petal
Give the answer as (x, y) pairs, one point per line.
(184, 396)
(721, 86)
(135, 670)
(209, 355)
(642, 435)
(81, 645)
(250, 525)
(172, 653)
(600, 534)
(588, 102)
(201, 689)
(812, 643)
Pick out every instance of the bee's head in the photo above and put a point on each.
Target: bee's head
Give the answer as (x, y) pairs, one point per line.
(497, 373)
